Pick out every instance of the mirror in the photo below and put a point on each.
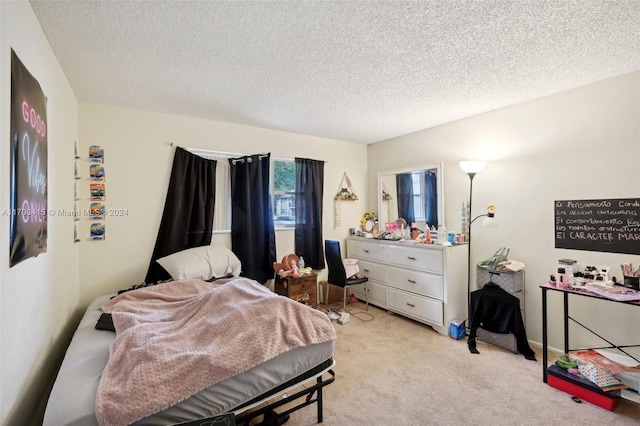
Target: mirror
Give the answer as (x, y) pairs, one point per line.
(416, 185)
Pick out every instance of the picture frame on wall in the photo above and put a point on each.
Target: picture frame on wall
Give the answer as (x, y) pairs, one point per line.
(96, 154)
(98, 191)
(28, 165)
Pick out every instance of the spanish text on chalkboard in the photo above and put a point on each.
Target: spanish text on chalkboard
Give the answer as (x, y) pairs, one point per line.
(598, 225)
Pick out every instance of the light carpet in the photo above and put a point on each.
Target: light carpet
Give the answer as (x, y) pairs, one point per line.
(395, 371)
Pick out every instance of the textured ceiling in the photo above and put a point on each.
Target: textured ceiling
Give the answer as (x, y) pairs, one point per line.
(361, 71)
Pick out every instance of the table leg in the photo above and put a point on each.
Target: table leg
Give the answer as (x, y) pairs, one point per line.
(566, 322)
(544, 335)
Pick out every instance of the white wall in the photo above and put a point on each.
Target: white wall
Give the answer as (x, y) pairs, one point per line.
(39, 296)
(138, 158)
(579, 144)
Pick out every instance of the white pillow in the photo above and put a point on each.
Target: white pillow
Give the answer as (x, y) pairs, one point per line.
(201, 263)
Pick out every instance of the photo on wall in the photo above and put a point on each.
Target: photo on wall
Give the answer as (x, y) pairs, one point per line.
(97, 191)
(96, 154)
(28, 166)
(97, 231)
(97, 211)
(96, 172)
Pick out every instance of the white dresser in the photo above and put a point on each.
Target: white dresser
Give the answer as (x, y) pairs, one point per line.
(425, 282)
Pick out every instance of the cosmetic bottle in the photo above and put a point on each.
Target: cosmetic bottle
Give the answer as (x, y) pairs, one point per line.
(561, 278)
(442, 234)
(434, 234)
(451, 237)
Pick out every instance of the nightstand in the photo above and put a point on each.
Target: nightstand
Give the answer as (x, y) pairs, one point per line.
(303, 289)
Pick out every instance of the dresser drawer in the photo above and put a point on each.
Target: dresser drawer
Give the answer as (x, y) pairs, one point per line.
(377, 293)
(417, 258)
(373, 271)
(423, 283)
(419, 307)
(365, 250)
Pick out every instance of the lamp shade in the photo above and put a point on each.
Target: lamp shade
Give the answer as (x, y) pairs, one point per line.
(489, 222)
(472, 166)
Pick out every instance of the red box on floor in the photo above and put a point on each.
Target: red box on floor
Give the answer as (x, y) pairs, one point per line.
(582, 388)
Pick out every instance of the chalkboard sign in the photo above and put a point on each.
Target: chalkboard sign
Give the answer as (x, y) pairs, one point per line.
(598, 225)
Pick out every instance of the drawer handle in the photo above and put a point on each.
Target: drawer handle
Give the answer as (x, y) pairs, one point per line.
(366, 270)
(411, 281)
(411, 304)
(366, 251)
(411, 258)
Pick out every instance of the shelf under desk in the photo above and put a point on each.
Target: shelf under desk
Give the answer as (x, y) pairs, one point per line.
(566, 317)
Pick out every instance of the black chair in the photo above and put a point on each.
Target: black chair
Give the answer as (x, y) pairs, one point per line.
(337, 274)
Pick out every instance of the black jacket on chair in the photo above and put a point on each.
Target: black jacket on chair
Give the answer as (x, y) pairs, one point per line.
(495, 310)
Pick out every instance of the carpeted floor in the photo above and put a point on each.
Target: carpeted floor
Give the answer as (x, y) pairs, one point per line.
(394, 371)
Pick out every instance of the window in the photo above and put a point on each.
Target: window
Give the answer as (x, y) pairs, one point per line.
(283, 202)
(418, 196)
(421, 201)
(283, 183)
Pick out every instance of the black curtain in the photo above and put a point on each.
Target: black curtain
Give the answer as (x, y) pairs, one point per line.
(187, 219)
(404, 185)
(253, 237)
(309, 192)
(431, 199)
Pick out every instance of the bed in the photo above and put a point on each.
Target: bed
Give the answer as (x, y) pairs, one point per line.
(141, 375)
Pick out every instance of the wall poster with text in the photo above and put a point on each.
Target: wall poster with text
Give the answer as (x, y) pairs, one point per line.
(28, 180)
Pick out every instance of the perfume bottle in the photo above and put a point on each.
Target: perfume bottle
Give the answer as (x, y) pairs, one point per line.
(442, 234)
(434, 234)
(562, 280)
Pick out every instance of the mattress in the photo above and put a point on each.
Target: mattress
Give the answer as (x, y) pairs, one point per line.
(72, 399)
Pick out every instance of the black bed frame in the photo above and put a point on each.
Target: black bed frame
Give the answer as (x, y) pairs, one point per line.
(275, 418)
(270, 416)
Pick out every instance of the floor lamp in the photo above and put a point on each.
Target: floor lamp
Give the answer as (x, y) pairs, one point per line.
(471, 168)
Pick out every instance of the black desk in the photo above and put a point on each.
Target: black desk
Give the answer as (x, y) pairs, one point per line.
(566, 293)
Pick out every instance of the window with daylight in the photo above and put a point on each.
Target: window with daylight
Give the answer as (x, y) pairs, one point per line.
(424, 195)
(418, 196)
(283, 183)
